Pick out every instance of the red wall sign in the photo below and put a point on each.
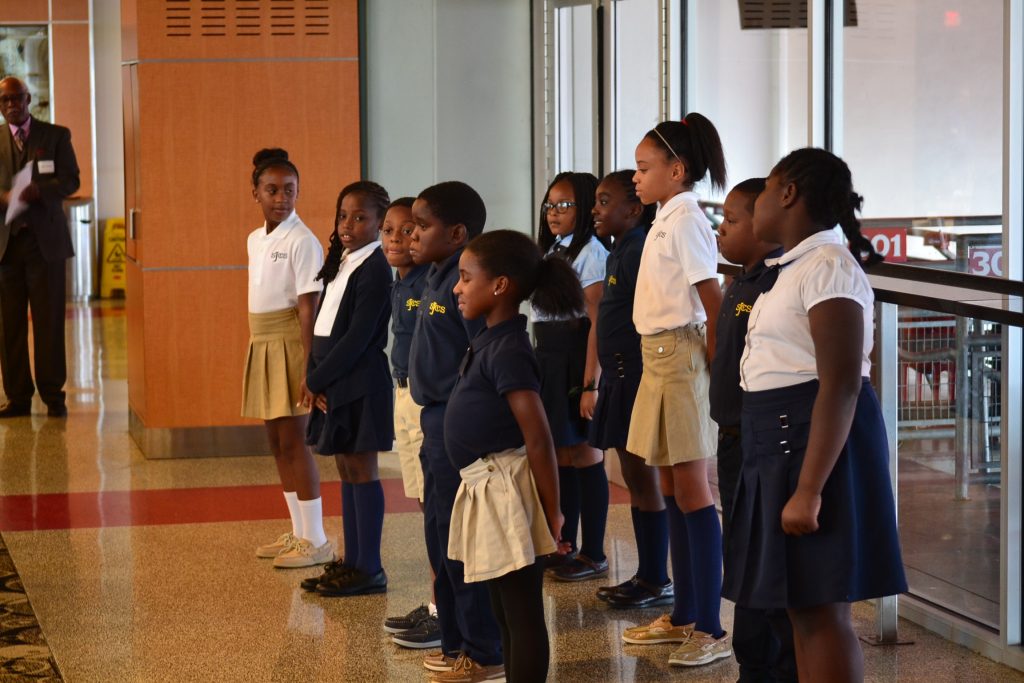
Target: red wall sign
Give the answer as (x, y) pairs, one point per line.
(889, 242)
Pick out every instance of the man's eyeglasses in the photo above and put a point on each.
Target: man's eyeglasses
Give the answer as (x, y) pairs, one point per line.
(560, 207)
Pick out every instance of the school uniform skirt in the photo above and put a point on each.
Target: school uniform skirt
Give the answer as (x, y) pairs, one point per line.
(562, 357)
(616, 394)
(855, 554)
(275, 366)
(498, 523)
(671, 420)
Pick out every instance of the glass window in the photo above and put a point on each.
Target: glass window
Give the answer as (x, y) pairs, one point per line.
(25, 53)
(637, 72)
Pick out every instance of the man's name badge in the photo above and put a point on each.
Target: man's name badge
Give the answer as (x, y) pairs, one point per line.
(44, 166)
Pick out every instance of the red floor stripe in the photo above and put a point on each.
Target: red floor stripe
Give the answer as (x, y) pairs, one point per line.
(177, 506)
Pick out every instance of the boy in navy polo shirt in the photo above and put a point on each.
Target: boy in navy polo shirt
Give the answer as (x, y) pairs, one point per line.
(762, 639)
(446, 216)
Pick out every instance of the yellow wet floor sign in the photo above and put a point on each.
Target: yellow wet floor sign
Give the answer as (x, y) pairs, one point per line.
(112, 275)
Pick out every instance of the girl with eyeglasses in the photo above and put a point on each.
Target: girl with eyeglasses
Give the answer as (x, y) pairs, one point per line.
(569, 369)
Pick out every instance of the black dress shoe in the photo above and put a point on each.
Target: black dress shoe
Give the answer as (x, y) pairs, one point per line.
(331, 570)
(643, 594)
(605, 592)
(355, 582)
(56, 410)
(556, 560)
(581, 568)
(15, 409)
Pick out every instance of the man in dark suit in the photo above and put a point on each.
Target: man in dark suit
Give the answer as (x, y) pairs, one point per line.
(33, 250)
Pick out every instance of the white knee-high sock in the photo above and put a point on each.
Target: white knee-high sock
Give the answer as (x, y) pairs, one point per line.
(313, 521)
(292, 498)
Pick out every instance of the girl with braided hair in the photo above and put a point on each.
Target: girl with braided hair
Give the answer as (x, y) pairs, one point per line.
(349, 383)
(814, 521)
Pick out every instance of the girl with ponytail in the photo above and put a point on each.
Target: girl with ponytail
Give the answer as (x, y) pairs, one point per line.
(814, 522)
(506, 514)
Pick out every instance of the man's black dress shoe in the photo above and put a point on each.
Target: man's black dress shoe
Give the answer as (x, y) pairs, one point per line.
(15, 410)
(57, 410)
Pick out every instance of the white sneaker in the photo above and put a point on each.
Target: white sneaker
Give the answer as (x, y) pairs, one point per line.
(303, 554)
(283, 542)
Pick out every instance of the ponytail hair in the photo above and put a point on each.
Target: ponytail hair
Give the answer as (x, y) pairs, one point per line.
(584, 187)
(273, 157)
(377, 197)
(550, 283)
(624, 179)
(826, 186)
(695, 142)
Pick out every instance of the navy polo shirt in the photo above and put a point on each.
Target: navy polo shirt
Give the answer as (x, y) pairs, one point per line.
(725, 394)
(616, 332)
(441, 336)
(479, 420)
(405, 303)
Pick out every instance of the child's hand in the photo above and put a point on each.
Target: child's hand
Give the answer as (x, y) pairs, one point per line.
(587, 403)
(800, 516)
(306, 400)
(320, 401)
(555, 523)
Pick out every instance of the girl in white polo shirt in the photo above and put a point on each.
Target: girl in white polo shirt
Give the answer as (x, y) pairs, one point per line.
(675, 309)
(814, 519)
(284, 258)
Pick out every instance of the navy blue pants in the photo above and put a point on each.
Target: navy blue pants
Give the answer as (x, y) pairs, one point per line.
(463, 609)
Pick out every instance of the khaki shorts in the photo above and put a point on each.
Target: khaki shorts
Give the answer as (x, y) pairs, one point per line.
(408, 440)
(671, 421)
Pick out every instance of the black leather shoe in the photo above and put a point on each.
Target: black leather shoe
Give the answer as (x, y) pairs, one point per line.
(15, 410)
(605, 592)
(643, 594)
(331, 570)
(555, 560)
(354, 583)
(581, 568)
(56, 410)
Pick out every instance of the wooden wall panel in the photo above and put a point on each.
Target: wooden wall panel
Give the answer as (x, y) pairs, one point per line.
(198, 130)
(70, 10)
(231, 29)
(136, 339)
(24, 10)
(129, 30)
(71, 93)
(197, 333)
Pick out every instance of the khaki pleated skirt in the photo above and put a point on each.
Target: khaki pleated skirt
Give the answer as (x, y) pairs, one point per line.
(498, 523)
(671, 420)
(274, 367)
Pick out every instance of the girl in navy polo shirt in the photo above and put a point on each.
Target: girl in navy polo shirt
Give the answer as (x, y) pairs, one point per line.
(620, 216)
(506, 514)
(350, 380)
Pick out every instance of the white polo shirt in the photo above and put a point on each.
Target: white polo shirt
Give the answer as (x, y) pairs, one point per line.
(779, 349)
(679, 252)
(589, 267)
(336, 288)
(282, 265)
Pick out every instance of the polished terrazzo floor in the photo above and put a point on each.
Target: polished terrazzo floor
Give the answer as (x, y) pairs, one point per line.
(143, 570)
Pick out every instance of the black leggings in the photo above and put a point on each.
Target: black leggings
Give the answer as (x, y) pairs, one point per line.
(518, 602)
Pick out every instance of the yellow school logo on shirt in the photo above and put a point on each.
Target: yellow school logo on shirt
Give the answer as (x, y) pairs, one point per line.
(612, 280)
(411, 303)
(436, 308)
(742, 308)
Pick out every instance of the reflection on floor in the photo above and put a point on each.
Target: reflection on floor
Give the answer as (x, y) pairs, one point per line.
(143, 570)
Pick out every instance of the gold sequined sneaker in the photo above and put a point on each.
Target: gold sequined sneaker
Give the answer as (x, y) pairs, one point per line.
(303, 554)
(702, 648)
(465, 670)
(283, 542)
(661, 630)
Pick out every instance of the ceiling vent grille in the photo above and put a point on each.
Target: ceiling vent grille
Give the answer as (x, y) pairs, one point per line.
(761, 14)
(246, 18)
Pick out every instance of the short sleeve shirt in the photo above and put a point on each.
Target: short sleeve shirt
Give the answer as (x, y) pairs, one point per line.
(589, 266)
(679, 252)
(283, 264)
(615, 330)
(479, 420)
(406, 294)
(779, 348)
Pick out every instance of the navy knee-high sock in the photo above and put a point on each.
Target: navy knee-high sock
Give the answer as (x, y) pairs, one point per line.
(569, 498)
(370, 505)
(684, 611)
(654, 527)
(349, 528)
(593, 510)
(706, 559)
(638, 535)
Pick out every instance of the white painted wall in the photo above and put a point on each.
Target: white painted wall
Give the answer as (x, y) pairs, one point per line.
(448, 98)
(109, 138)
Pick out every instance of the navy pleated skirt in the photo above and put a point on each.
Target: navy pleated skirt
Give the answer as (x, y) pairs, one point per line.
(562, 358)
(855, 554)
(616, 393)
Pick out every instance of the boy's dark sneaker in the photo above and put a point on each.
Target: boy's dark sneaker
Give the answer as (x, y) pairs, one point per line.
(331, 570)
(354, 582)
(408, 621)
(424, 635)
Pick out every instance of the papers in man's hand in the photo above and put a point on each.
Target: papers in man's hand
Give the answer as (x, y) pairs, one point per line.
(16, 206)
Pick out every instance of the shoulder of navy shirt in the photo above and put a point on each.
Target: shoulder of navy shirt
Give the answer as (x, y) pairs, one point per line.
(441, 336)
(725, 395)
(351, 362)
(406, 294)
